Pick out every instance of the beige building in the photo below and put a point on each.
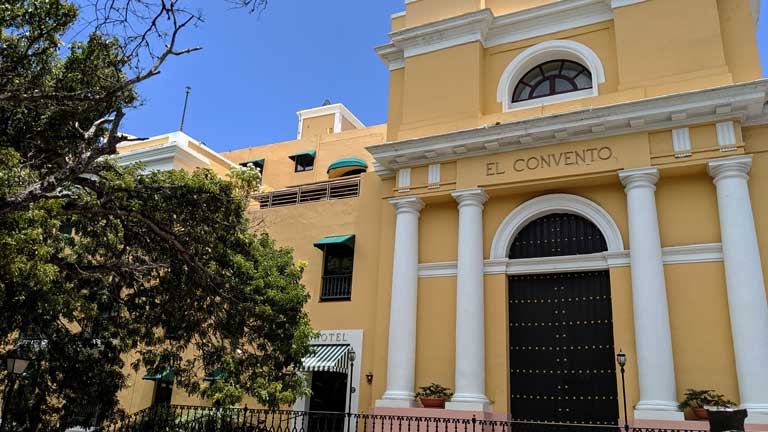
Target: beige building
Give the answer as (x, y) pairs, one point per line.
(556, 181)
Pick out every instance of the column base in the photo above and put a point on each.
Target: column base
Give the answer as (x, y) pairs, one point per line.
(658, 410)
(396, 399)
(465, 402)
(756, 413)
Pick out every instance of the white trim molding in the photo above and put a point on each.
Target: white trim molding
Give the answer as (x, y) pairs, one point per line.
(621, 3)
(744, 102)
(690, 254)
(490, 30)
(339, 111)
(541, 53)
(549, 204)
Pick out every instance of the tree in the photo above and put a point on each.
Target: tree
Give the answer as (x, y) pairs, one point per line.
(101, 266)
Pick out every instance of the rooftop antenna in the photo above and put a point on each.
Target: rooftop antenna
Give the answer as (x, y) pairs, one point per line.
(184, 112)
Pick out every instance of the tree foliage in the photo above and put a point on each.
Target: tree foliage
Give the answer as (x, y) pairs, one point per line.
(103, 267)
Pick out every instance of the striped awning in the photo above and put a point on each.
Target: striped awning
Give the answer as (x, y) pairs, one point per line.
(327, 358)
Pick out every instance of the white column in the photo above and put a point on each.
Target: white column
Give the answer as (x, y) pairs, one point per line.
(470, 305)
(653, 340)
(745, 284)
(401, 356)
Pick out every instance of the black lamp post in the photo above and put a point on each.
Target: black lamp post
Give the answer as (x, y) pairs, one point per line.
(17, 362)
(621, 359)
(351, 356)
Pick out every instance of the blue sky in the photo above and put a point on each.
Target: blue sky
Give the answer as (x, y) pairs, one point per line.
(255, 72)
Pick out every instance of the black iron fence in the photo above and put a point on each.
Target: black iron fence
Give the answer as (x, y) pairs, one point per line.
(203, 419)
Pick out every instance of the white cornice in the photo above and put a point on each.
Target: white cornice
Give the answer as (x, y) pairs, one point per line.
(740, 101)
(484, 27)
(434, 36)
(391, 55)
(162, 157)
(547, 19)
(621, 3)
(690, 254)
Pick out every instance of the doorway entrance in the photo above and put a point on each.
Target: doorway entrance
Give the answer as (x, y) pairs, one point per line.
(328, 401)
(561, 352)
(329, 392)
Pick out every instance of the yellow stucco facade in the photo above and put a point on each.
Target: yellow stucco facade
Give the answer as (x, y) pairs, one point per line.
(665, 143)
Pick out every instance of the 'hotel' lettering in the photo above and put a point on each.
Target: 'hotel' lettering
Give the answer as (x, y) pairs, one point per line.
(568, 158)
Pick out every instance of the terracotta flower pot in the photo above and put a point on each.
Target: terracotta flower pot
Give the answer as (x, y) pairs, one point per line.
(432, 403)
(701, 413)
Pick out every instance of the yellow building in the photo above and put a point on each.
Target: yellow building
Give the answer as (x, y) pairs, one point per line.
(557, 180)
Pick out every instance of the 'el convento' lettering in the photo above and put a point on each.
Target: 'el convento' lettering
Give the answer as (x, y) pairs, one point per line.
(557, 181)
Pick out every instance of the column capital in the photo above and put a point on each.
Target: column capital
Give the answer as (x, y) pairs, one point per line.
(474, 197)
(730, 167)
(645, 178)
(407, 205)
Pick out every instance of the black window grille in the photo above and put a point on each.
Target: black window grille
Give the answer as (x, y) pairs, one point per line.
(552, 78)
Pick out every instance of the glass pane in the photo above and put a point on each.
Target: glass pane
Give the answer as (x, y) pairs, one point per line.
(571, 69)
(542, 89)
(562, 86)
(522, 93)
(584, 81)
(551, 68)
(532, 77)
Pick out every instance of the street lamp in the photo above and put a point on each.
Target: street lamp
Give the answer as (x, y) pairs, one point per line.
(621, 359)
(351, 356)
(16, 362)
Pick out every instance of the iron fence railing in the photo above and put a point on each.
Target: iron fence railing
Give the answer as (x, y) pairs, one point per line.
(336, 287)
(204, 419)
(330, 190)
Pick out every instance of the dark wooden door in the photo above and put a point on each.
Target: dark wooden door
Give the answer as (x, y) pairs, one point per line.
(328, 401)
(561, 348)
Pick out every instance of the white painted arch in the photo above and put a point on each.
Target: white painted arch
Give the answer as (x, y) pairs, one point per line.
(549, 204)
(543, 52)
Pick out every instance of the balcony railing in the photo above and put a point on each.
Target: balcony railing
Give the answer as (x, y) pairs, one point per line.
(336, 287)
(330, 190)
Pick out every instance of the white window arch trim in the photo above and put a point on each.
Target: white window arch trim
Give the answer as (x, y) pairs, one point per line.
(545, 205)
(542, 53)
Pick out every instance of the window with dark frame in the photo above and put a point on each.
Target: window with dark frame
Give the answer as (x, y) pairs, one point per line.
(338, 261)
(552, 78)
(304, 163)
(259, 164)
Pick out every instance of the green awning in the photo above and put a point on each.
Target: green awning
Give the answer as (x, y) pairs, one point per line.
(216, 375)
(308, 153)
(327, 358)
(347, 240)
(166, 375)
(348, 162)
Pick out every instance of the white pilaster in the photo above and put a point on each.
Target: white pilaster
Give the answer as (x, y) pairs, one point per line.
(653, 339)
(401, 355)
(470, 305)
(745, 283)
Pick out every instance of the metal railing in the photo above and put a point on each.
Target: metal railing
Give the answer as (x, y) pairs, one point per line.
(336, 287)
(330, 190)
(204, 419)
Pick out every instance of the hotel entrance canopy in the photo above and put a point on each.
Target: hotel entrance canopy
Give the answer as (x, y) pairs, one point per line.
(327, 358)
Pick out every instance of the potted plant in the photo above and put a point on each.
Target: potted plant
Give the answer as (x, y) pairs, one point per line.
(433, 396)
(700, 400)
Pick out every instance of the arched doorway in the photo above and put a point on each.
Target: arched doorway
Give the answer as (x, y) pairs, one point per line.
(561, 352)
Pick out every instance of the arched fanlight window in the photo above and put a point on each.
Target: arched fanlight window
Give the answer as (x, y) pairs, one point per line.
(552, 78)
